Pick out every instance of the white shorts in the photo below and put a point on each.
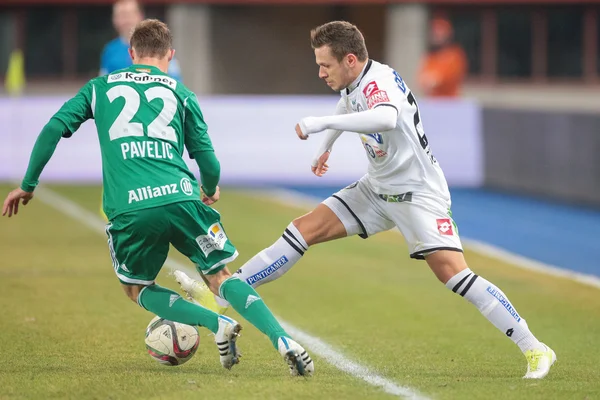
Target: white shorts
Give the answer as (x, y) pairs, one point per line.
(424, 219)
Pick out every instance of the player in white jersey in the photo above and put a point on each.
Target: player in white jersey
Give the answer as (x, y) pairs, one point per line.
(404, 187)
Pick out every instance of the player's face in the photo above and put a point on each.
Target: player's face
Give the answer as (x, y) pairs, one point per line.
(336, 74)
(126, 15)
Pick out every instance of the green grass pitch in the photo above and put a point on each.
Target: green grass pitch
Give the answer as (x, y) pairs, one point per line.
(67, 331)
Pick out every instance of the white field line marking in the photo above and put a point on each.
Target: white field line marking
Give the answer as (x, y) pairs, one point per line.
(290, 197)
(313, 343)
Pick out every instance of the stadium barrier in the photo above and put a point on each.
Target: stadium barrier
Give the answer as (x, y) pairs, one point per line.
(545, 153)
(254, 139)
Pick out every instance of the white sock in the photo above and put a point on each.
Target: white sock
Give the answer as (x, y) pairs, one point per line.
(494, 305)
(272, 262)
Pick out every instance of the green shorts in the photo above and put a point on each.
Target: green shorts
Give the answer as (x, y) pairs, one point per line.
(139, 240)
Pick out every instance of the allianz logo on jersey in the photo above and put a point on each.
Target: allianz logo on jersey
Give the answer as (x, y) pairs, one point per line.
(149, 192)
(142, 78)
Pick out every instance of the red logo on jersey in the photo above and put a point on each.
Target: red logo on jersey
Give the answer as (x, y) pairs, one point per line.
(379, 152)
(377, 97)
(370, 88)
(444, 226)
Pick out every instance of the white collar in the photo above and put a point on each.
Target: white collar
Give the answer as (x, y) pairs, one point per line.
(356, 82)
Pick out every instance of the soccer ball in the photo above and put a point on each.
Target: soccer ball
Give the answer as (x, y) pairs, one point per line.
(171, 343)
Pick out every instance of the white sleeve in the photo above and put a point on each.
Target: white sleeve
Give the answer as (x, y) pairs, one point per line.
(379, 119)
(331, 135)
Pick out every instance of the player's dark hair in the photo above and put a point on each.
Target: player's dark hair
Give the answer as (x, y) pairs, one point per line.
(151, 38)
(342, 38)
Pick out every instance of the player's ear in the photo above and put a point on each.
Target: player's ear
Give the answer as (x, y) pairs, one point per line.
(131, 53)
(351, 60)
(171, 54)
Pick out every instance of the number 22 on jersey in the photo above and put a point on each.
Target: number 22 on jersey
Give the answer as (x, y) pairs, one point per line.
(158, 128)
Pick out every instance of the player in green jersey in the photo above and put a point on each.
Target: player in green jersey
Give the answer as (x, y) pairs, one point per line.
(145, 121)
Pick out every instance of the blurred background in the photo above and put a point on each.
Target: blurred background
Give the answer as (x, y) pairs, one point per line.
(508, 91)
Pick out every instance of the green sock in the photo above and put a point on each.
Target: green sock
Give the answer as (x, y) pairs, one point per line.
(244, 299)
(170, 305)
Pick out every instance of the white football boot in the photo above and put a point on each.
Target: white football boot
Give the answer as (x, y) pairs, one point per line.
(539, 362)
(198, 291)
(225, 339)
(296, 357)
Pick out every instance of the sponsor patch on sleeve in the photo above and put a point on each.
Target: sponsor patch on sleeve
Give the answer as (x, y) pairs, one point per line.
(380, 96)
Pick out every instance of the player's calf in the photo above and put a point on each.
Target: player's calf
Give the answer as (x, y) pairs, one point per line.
(274, 261)
(495, 306)
(251, 306)
(318, 226)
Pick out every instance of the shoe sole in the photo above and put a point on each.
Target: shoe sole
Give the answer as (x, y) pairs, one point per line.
(233, 337)
(180, 284)
(295, 362)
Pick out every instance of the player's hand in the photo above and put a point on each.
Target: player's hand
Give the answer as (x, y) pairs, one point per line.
(320, 167)
(301, 135)
(11, 204)
(208, 200)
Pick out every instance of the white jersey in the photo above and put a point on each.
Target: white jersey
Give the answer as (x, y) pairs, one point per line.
(400, 160)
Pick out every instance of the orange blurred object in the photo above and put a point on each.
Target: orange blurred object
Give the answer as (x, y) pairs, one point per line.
(443, 69)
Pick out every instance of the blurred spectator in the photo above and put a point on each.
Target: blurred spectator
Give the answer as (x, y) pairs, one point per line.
(444, 67)
(126, 14)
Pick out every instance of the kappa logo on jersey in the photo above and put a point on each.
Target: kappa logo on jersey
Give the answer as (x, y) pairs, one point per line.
(215, 239)
(186, 186)
(370, 88)
(142, 78)
(444, 226)
(377, 97)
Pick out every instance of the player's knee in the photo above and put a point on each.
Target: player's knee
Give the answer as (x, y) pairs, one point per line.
(133, 291)
(319, 225)
(309, 228)
(445, 264)
(216, 280)
(304, 226)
